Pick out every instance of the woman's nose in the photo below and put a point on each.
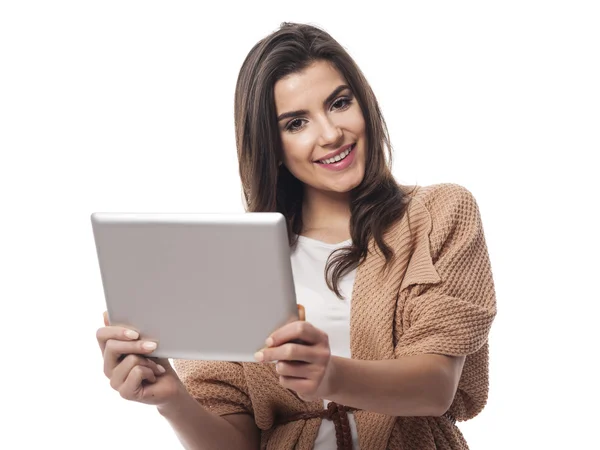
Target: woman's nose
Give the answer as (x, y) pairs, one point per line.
(331, 133)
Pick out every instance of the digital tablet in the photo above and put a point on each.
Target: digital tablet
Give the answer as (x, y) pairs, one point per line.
(203, 286)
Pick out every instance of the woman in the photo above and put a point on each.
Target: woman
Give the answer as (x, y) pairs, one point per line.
(396, 282)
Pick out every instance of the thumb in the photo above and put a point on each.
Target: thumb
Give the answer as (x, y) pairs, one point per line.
(165, 363)
(105, 316)
(301, 313)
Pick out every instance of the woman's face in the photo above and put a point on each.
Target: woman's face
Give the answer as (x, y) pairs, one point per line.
(320, 122)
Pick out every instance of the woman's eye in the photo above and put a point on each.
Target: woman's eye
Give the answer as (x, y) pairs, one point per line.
(342, 103)
(295, 125)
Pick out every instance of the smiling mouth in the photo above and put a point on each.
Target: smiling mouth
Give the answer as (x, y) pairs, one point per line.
(337, 158)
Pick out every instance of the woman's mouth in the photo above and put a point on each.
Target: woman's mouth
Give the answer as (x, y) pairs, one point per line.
(337, 158)
(338, 162)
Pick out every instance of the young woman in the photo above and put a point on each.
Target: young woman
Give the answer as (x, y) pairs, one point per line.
(396, 281)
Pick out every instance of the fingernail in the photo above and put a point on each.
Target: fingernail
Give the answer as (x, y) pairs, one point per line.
(269, 342)
(132, 334)
(161, 369)
(149, 345)
(259, 356)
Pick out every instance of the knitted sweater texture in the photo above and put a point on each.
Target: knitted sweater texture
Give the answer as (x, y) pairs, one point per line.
(437, 296)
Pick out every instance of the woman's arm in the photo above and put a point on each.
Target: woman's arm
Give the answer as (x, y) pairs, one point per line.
(421, 385)
(449, 314)
(198, 428)
(418, 385)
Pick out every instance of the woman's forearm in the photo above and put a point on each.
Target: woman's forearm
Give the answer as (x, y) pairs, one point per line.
(422, 385)
(198, 428)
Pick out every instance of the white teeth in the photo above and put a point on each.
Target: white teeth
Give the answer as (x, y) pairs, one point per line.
(337, 157)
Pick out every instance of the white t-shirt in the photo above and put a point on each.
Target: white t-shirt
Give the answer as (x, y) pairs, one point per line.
(325, 311)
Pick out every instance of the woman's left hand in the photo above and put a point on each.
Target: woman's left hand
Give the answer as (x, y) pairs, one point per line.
(303, 356)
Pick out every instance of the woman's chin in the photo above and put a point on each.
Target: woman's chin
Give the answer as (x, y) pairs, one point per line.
(344, 188)
(342, 185)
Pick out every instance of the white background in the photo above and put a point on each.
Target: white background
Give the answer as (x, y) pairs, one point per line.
(128, 106)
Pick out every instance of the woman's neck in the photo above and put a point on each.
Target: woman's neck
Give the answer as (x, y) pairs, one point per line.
(326, 216)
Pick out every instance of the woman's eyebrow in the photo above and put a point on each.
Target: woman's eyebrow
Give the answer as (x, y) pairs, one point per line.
(301, 112)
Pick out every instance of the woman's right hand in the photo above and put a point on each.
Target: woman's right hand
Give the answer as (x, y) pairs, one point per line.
(135, 376)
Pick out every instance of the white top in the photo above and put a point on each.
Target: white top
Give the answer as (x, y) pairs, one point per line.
(325, 311)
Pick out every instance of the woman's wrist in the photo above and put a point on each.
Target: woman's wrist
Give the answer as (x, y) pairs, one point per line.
(331, 386)
(176, 403)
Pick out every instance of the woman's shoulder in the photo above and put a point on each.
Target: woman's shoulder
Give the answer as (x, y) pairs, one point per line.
(439, 199)
(436, 192)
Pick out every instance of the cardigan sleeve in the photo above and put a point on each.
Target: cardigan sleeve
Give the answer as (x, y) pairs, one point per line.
(452, 316)
(217, 385)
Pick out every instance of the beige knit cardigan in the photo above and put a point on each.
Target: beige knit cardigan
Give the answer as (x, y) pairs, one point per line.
(437, 297)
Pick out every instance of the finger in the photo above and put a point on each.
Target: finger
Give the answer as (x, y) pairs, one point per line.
(120, 373)
(304, 387)
(298, 330)
(291, 352)
(119, 333)
(301, 316)
(296, 369)
(164, 362)
(133, 388)
(115, 350)
(105, 316)
(301, 313)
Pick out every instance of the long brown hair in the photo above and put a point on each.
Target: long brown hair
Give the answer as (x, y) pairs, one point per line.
(375, 204)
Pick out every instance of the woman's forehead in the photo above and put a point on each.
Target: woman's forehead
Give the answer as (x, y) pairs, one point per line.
(300, 90)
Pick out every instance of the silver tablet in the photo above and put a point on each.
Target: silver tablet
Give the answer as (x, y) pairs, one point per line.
(203, 286)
